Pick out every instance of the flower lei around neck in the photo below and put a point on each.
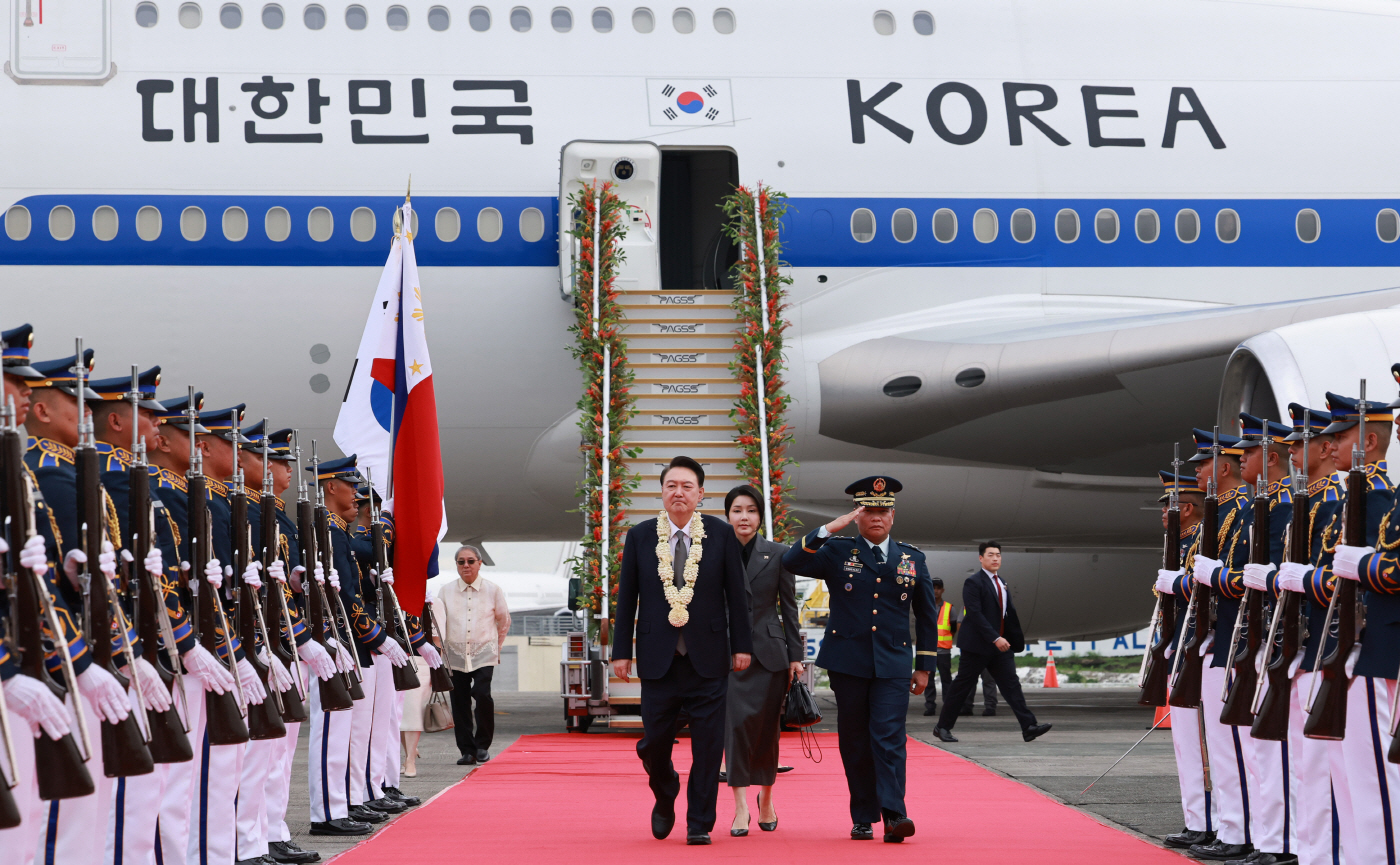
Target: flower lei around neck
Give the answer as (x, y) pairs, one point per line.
(679, 598)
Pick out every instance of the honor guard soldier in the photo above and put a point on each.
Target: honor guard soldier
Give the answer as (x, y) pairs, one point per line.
(16, 344)
(874, 583)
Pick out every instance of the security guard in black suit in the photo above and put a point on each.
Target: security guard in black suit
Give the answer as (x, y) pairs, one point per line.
(867, 654)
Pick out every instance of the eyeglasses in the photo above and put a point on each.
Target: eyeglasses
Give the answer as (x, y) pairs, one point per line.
(467, 561)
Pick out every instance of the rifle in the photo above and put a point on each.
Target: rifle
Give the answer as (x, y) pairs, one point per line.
(1186, 679)
(438, 677)
(1327, 710)
(1155, 668)
(334, 692)
(405, 676)
(1239, 689)
(225, 725)
(169, 740)
(284, 645)
(265, 718)
(31, 610)
(124, 752)
(340, 622)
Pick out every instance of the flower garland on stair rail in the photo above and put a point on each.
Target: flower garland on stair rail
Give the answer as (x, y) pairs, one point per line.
(757, 275)
(590, 351)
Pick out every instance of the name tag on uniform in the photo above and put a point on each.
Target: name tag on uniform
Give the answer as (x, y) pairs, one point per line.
(852, 567)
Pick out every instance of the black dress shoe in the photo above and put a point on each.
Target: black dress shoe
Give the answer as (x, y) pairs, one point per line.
(482, 755)
(386, 805)
(723, 777)
(1035, 731)
(466, 760)
(1220, 851)
(943, 735)
(256, 860)
(1258, 857)
(897, 829)
(342, 826)
(965, 712)
(663, 817)
(699, 839)
(989, 713)
(862, 832)
(367, 815)
(1188, 838)
(290, 853)
(929, 711)
(398, 796)
(782, 769)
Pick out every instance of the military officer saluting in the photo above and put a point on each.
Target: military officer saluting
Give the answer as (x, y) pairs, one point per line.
(874, 582)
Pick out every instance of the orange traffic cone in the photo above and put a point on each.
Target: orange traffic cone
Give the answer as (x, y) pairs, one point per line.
(1157, 722)
(1052, 679)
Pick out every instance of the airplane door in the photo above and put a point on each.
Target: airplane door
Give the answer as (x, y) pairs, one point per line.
(634, 168)
(64, 42)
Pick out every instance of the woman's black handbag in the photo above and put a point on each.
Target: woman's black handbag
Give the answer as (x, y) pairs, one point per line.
(801, 710)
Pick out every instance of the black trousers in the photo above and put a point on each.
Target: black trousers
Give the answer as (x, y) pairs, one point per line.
(989, 694)
(945, 673)
(1002, 666)
(703, 702)
(467, 687)
(870, 715)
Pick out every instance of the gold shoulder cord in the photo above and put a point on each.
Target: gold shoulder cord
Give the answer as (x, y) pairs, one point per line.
(1327, 532)
(1225, 528)
(114, 526)
(1380, 538)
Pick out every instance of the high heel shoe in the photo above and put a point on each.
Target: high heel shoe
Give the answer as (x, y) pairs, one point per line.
(740, 833)
(766, 827)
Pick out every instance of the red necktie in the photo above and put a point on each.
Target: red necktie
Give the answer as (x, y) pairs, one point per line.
(1001, 607)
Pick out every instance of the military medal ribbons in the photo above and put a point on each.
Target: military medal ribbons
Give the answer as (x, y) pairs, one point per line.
(679, 598)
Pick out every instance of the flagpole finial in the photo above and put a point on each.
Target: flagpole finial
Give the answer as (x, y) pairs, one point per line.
(408, 196)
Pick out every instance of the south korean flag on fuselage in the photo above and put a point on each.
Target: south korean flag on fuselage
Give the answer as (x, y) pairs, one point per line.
(689, 102)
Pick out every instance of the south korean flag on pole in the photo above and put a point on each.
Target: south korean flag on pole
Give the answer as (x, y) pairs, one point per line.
(689, 102)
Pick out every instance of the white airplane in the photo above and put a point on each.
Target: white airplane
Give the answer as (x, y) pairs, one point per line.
(1032, 244)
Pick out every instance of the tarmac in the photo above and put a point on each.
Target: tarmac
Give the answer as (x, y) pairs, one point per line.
(1092, 728)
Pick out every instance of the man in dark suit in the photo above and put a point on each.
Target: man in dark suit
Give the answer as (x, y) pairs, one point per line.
(686, 629)
(990, 637)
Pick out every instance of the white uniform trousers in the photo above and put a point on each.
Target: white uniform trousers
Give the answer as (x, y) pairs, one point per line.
(1229, 779)
(392, 761)
(1310, 778)
(173, 825)
(1270, 811)
(213, 811)
(1366, 784)
(327, 760)
(384, 734)
(1190, 771)
(131, 830)
(76, 831)
(362, 725)
(279, 784)
(18, 845)
(251, 805)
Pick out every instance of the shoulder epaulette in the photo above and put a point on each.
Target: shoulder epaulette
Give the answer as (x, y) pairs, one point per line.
(252, 493)
(216, 486)
(54, 453)
(281, 505)
(173, 481)
(910, 546)
(337, 521)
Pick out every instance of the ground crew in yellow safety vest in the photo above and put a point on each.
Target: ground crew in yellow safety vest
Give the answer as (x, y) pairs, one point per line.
(947, 629)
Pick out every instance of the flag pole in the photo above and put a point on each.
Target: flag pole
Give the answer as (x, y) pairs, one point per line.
(758, 362)
(405, 223)
(607, 432)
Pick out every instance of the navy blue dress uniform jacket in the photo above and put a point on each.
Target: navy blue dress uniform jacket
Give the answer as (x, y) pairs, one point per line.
(365, 631)
(719, 610)
(867, 631)
(982, 620)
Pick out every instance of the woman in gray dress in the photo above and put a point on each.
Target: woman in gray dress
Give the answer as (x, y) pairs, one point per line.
(756, 694)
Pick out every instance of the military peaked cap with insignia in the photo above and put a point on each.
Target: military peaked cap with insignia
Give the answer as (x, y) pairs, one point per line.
(1317, 421)
(220, 422)
(256, 437)
(116, 389)
(1229, 445)
(1184, 483)
(175, 416)
(876, 491)
(1252, 430)
(60, 374)
(1346, 413)
(280, 445)
(342, 469)
(17, 342)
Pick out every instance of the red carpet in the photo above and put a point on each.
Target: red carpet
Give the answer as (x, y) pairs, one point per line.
(567, 798)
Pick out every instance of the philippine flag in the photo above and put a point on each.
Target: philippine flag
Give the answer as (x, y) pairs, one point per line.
(389, 418)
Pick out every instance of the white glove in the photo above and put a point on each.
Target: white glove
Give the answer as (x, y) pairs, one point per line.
(317, 659)
(276, 571)
(1256, 577)
(71, 561)
(34, 556)
(252, 686)
(387, 576)
(1345, 560)
(36, 704)
(430, 654)
(1166, 581)
(154, 563)
(107, 697)
(319, 573)
(251, 574)
(154, 695)
(214, 573)
(211, 673)
(277, 675)
(1291, 576)
(335, 579)
(1204, 569)
(107, 560)
(343, 663)
(394, 652)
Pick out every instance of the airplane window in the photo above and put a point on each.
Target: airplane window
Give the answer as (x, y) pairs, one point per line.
(448, 225)
(970, 377)
(884, 23)
(904, 225)
(235, 224)
(147, 14)
(905, 385)
(190, 15)
(642, 20)
(520, 20)
(1106, 225)
(531, 224)
(945, 225)
(61, 223)
(1022, 225)
(683, 20)
(724, 21)
(277, 224)
(562, 20)
(104, 223)
(1067, 226)
(489, 224)
(923, 23)
(984, 225)
(320, 224)
(397, 18)
(273, 17)
(1147, 226)
(314, 17)
(231, 16)
(1188, 226)
(192, 224)
(439, 18)
(480, 19)
(356, 17)
(17, 222)
(1387, 226)
(602, 20)
(863, 225)
(1227, 226)
(148, 223)
(362, 224)
(1309, 225)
